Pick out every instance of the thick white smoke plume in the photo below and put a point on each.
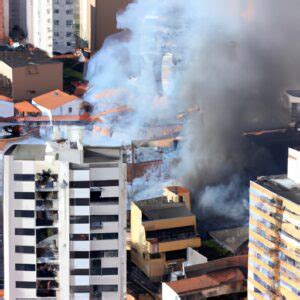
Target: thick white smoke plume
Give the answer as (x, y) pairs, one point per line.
(232, 58)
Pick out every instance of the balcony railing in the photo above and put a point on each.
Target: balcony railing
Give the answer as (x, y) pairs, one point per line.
(46, 218)
(45, 255)
(47, 270)
(173, 237)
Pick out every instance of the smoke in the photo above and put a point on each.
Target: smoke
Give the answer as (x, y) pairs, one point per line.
(233, 59)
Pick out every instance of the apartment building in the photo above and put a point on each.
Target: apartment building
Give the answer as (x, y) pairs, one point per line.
(63, 26)
(25, 74)
(274, 234)
(4, 20)
(64, 222)
(161, 231)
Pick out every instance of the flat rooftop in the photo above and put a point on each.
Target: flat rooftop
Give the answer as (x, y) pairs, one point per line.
(231, 238)
(36, 152)
(16, 59)
(159, 208)
(282, 186)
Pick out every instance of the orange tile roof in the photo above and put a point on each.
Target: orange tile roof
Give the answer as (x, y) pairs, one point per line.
(206, 281)
(54, 99)
(6, 99)
(26, 107)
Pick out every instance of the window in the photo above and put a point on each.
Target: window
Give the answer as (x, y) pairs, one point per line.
(24, 231)
(103, 183)
(79, 237)
(25, 249)
(25, 267)
(24, 195)
(80, 289)
(105, 218)
(109, 271)
(23, 177)
(56, 34)
(25, 285)
(24, 213)
(79, 254)
(80, 272)
(69, 23)
(80, 184)
(80, 202)
(56, 22)
(96, 198)
(69, 11)
(79, 219)
(69, 44)
(104, 253)
(68, 34)
(104, 288)
(104, 236)
(56, 11)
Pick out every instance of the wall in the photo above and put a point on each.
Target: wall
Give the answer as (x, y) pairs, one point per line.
(168, 293)
(102, 20)
(6, 109)
(48, 78)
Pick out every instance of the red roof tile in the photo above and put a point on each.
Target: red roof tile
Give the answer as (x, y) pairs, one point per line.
(26, 107)
(54, 99)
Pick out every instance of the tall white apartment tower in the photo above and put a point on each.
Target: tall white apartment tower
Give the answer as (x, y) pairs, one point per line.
(64, 222)
(39, 24)
(48, 24)
(64, 25)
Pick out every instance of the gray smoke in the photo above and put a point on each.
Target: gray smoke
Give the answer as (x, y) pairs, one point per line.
(233, 59)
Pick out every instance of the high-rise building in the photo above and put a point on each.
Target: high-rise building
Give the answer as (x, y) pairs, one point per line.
(4, 22)
(64, 222)
(274, 234)
(47, 24)
(99, 20)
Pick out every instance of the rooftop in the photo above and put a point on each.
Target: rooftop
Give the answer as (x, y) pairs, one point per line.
(6, 99)
(16, 59)
(27, 152)
(232, 238)
(26, 107)
(282, 186)
(37, 152)
(160, 208)
(54, 99)
(213, 279)
(294, 93)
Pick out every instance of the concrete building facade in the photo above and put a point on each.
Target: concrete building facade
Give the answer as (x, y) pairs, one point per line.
(27, 74)
(274, 234)
(161, 231)
(64, 222)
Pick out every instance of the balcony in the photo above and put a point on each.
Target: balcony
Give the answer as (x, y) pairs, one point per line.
(172, 244)
(46, 218)
(46, 195)
(46, 288)
(46, 255)
(42, 205)
(46, 181)
(46, 270)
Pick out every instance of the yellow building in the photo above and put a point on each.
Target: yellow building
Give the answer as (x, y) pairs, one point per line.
(161, 231)
(274, 234)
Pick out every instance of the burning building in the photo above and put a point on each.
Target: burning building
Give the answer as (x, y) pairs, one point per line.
(64, 222)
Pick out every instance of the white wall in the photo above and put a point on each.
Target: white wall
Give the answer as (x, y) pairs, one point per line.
(168, 293)
(62, 110)
(6, 109)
